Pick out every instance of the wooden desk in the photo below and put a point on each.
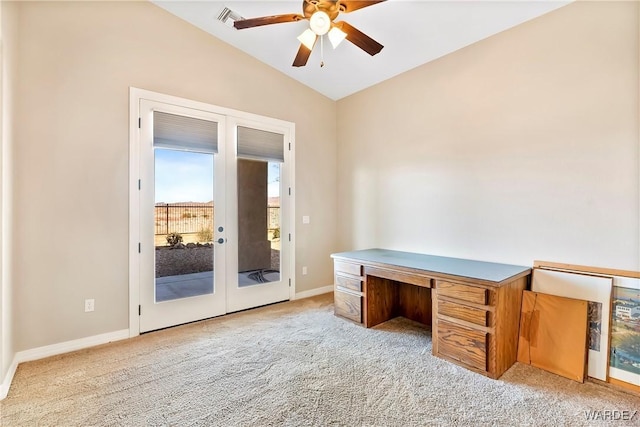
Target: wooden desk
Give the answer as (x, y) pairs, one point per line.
(473, 307)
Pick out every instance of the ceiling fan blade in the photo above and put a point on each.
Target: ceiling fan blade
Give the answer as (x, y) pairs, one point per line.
(359, 38)
(266, 20)
(302, 56)
(347, 6)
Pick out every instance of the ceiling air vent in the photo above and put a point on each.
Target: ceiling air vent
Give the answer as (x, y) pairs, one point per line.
(228, 17)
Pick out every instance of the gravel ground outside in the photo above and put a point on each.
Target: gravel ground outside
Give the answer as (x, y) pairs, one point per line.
(193, 259)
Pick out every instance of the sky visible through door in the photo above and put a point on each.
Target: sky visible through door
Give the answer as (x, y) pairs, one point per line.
(179, 177)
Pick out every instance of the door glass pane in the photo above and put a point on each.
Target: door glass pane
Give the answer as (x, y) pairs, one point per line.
(184, 219)
(258, 222)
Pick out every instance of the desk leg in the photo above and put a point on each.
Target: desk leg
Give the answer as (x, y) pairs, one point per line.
(381, 299)
(434, 321)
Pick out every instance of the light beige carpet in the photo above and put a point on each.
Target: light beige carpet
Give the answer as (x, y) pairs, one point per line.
(291, 364)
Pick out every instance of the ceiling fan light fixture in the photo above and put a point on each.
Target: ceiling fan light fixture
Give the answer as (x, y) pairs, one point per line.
(320, 23)
(336, 35)
(320, 15)
(308, 38)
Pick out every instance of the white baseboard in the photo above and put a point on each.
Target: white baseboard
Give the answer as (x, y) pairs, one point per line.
(56, 349)
(67, 346)
(314, 292)
(6, 382)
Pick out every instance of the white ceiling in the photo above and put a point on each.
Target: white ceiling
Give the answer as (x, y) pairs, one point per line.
(412, 32)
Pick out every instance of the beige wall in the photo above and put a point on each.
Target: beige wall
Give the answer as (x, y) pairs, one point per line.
(523, 146)
(8, 37)
(77, 61)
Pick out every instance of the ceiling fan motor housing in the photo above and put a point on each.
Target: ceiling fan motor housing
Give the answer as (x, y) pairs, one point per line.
(330, 7)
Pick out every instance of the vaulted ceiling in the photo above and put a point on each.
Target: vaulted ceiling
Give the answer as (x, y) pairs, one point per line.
(412, 32)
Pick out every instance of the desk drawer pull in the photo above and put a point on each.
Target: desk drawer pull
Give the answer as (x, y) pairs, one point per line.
(463, 292)
(349, 282)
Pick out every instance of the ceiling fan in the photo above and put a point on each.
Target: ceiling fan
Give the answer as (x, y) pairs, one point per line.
(321, 15)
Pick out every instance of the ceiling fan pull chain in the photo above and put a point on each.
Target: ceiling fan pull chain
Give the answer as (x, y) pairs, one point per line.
(322, 51)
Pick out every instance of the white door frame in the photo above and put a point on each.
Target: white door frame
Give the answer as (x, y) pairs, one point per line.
(135, 95)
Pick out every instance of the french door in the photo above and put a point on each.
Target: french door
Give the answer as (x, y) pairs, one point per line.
(258, 242)
(213, 213)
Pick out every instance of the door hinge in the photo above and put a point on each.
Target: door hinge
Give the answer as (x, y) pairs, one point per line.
(289, 236)
(139, 247)
(139, 184)
(289, 190)
(139, 122)
(139, 310)
(289, 282)
(289, 146)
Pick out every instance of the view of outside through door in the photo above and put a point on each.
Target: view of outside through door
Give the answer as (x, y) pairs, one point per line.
(184, 223)
(258, 234)
(184, 214)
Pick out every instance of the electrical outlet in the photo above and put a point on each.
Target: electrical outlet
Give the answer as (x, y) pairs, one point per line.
(304, 270)
(89, 305)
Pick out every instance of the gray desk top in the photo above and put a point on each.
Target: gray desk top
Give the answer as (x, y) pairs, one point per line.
(480, 270)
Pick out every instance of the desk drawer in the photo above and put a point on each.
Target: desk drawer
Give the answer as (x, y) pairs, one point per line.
(463, 292)
(349, 282)
(347, 267)
(348, 305)
(463, 312)
(463, 344)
